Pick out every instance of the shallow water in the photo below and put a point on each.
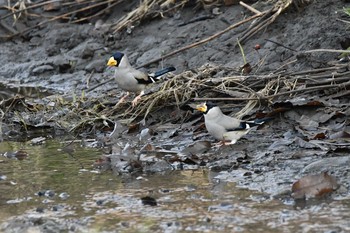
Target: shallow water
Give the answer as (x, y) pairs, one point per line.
(186, 200)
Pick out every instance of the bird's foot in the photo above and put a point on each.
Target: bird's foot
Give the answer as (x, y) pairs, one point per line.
(122, 100)
(219, 144)
(136, 100)
(225, 143)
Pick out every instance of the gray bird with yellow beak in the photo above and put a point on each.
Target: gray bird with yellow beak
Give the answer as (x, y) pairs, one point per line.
(222, 127)
(130, 79)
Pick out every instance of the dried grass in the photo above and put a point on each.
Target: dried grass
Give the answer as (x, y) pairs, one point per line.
(84, 10)
(173, 92)
(259, 90)
(155, 8)
(253, 91)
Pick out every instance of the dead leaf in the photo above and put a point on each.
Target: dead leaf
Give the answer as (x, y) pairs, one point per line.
(321, 116)
(311, 144)
(319, 136)
(313, 186)
(280, 144)
(292, 115)
(341, 134)
(307, 123)
(309, 135)
(314, 103)
(133, 128)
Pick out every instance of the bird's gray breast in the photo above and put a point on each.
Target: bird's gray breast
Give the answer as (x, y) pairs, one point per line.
(126, 80)
(214, 129)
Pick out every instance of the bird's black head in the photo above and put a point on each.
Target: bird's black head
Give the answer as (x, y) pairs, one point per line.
(210, 105)
(115, 59)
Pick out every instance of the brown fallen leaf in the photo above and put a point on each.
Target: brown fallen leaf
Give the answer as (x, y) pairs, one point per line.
(133, 128)
(313, 186)
(319, 136)
(315, 103)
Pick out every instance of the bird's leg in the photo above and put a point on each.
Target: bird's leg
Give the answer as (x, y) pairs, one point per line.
(225, 142)
(137, 99)
(121, 100)
(220, 143)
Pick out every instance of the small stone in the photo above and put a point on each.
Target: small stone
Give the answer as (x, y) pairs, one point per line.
(145, 134)
(64, 196)
(49, 193)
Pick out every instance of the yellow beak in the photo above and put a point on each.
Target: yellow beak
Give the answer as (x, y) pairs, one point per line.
(202, 107)
(112, 62)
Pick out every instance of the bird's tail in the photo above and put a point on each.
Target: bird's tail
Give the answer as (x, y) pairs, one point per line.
(159, 73)
(260, 121)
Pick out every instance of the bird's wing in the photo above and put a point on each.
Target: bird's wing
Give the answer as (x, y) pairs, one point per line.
(242, 126)
(141, 77)
(229, 123)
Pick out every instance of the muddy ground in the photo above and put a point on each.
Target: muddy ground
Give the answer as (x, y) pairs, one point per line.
(309, 133)
(63, 57)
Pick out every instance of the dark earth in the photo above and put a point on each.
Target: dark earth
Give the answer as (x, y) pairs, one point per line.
(48, 77)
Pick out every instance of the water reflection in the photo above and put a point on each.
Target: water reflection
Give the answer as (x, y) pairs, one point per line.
(62, 188)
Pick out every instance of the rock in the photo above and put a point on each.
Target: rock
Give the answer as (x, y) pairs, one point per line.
(151, 54)
(96, 65)
(145, 134)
